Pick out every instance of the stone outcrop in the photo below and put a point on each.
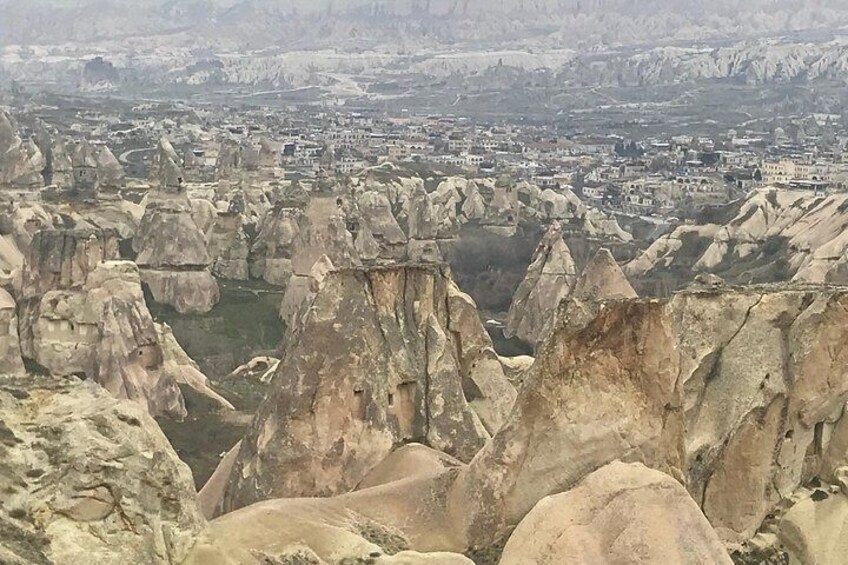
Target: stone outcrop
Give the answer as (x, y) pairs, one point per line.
(10, 346)
(381, 357)
(63, 259)
(737, 393)
(88, 478)
(321, 243)
(773, 234)
(167, 173)
(84, 164)
(110, 172)
(83, 313)
(173, 257)
(21, 161)
(599, 281)
(619, 514)
(229, 246)
(271, 252)
(549, 279)
(58, 169)
(814, 528)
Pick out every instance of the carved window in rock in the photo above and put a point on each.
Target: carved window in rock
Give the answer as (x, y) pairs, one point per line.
(358, 408)
(818, 438)
(402, 405)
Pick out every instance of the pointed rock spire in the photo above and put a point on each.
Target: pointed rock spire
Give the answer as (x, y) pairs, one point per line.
(549, 279)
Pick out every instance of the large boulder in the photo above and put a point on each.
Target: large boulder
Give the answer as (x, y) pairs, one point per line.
(167, 173)
(87, 478)
(381, 357)
(619, 514)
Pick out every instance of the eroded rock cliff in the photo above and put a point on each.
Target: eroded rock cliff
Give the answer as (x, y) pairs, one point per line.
(383, 356)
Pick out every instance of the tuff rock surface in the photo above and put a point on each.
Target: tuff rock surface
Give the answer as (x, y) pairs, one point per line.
(83, 313)
(621, 513)
(418, 367)
(87, 478)
(549, 279)
(173, 257)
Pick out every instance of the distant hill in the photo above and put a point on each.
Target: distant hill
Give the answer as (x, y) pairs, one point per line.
(362, 23)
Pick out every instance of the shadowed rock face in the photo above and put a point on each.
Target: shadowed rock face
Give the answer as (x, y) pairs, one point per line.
(87, 478)
(381, 358)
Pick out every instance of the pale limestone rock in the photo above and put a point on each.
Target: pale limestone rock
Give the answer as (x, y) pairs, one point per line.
(376, 213)
(211, 496)
(167, 171)
(186, 291)
(229, 247)
(110, 172)
(423, 251)
(63, 259)
(603, 279)
(89, 479)
(366, 245)
(484, 381)
(599, 281)
(474, 207)
(618, 514)
(84, 313)
(21, 165)
(84, 163)
(301, 291)
(271, 255)
(422, 220)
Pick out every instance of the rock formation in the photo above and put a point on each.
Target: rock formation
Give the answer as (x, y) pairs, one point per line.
(618, 514)
(166, 170)
(600, 280)
(772, 235)
(10, 347)
(173, 257)
(88, 478)
(271, 252)
(322, 237)
(550, 277)
(21, 161)
(229, 246)
(731, 391)
(110, 172)
(82, 313)
(84, 164)
(413, 369)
